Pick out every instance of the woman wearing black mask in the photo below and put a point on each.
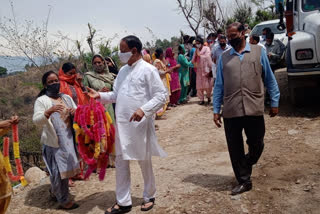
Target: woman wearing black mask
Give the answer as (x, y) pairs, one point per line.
(53, 111)
(113, 68)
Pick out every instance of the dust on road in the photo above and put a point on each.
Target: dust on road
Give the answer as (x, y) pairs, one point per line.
(197, 177)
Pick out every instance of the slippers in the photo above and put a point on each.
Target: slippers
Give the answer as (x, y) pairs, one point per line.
(74, 206)
(152, 200)
(120, 210)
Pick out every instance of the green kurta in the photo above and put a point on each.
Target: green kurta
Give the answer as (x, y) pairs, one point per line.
(184, 75)
(98, 81)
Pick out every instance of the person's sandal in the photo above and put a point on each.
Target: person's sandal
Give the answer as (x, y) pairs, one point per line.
(150, 207)
(74, 206)
(120, 210)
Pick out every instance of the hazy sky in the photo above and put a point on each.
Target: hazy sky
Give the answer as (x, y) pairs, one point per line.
(108, 16)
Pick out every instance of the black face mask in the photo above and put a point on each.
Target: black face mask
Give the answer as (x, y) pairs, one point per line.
(235, 43)
(223, 45)
(53, 90)
(113, 69)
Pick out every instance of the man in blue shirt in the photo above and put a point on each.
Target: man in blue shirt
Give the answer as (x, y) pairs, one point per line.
(242, 73)
(217, 51)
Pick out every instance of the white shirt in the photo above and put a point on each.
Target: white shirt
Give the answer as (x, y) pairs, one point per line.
(137, 86)
(49, 136)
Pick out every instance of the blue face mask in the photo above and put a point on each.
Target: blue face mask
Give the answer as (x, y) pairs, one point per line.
(264, 37)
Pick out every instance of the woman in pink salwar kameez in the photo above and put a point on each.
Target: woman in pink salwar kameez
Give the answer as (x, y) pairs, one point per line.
(203, 63)
(174, 83)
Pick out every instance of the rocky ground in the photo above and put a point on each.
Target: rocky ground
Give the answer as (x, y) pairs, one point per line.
(197, 177)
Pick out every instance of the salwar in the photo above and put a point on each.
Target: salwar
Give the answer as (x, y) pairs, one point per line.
(123, 181)
(200, 93)
(254, 129)
(59, 187)
(184, 93)
(192, 90)
(4, 204)
(175, 96)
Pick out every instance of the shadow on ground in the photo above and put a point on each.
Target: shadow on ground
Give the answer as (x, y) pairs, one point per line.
(102, 200)
(213, 182)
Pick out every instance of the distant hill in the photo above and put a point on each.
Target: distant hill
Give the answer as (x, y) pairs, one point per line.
(16, 63)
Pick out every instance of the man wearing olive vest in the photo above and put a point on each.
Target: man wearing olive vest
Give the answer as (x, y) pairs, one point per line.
(242, 73)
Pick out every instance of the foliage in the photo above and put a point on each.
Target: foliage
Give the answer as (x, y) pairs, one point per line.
(3, 71)
(243, 14)
(263, 15)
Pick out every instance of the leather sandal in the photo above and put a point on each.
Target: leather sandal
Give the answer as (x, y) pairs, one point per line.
(120, 210)
(74, 206)
(150, 207)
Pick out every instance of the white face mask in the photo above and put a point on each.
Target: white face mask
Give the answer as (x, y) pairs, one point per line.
(198, 45)
(124, 57)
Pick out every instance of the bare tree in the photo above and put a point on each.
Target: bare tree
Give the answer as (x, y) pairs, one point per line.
(92, 33)
(214, 17)
(28, 40)
(193, 12)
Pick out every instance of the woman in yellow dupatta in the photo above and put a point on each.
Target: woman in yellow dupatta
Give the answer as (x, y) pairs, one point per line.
(5, 185)
(161, 64)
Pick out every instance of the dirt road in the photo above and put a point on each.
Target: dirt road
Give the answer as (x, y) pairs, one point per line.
(197, 177)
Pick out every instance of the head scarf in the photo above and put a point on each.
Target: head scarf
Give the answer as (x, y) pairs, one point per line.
(183, 49)
(114, 68)
(170, 57)
(106, 76)
(65, 81)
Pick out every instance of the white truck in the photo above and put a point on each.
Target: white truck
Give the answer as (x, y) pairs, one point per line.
(303, 49)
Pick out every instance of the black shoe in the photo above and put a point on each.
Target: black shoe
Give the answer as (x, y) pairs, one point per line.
(201, 103)
(209, 101)
(120, 210)
(241, 188)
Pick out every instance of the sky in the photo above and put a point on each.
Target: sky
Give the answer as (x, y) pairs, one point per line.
(109, 17)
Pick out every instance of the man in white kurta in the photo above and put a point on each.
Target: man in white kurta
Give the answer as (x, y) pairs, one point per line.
(137, 90)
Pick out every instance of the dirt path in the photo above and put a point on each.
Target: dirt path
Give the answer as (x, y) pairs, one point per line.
(197, 177)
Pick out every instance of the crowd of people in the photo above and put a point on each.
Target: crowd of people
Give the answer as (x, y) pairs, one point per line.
(147, 85)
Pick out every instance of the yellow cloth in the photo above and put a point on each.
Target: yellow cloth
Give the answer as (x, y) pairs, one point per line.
(4, 204)
(5, 185)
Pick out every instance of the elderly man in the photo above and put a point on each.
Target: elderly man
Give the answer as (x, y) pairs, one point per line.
(242, 72)
(139, 93)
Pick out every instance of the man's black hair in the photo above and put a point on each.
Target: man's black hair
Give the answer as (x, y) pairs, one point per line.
(158, 52)
(222, 37)
(67, 67)
(186, 38)
(256, 38)
(238, 25)
(199, 39)
(212, 35)
(270, 35)
(133, 42)
(219, 31)
(267, 29)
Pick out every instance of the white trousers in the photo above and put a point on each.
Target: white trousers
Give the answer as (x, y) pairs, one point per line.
(123, 181)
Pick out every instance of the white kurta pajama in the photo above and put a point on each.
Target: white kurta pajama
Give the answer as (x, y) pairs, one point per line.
(136, 86)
